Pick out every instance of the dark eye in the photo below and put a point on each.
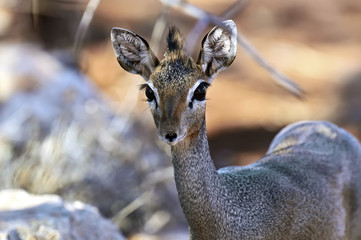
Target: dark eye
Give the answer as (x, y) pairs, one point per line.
(149, 93)
(200, 93)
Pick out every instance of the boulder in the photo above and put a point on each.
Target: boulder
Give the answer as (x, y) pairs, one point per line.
(49, 217)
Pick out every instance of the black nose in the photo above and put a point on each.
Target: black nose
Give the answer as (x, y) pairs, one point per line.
(171, 136)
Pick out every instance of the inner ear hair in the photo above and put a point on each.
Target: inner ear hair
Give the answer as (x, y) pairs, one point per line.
(133, 52)
(219, 49)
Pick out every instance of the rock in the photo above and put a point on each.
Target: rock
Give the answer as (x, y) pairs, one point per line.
(48, 217)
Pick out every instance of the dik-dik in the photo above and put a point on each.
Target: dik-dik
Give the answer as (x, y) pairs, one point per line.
(307, 186)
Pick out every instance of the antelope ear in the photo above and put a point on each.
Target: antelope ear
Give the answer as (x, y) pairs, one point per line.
(133, 52)
(219, 48)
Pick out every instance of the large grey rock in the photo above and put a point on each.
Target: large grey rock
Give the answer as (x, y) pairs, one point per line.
(47, 217)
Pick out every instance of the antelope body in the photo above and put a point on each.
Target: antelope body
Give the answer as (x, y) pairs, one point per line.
(307, 186)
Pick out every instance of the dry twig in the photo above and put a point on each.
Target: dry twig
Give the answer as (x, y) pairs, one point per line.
(84, 25)
(131, 207)
(199, 13)
(203, 23)
(158, 30)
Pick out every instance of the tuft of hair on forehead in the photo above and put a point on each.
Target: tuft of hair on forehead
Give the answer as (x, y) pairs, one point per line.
(175, 39)
(175, 43)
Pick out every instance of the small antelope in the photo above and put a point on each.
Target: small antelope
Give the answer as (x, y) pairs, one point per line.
(307, 186)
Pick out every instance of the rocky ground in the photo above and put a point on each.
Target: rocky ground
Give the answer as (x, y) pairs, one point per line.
(47, 217)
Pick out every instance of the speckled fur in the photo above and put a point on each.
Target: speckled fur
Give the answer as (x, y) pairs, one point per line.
(307, 189)
(307, 186)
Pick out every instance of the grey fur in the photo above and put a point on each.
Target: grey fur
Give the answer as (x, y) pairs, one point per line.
(306, 187)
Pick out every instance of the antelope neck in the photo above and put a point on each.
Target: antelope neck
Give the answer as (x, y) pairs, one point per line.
(200, 189)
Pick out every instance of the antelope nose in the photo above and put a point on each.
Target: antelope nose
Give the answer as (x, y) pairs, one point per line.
(171, 136)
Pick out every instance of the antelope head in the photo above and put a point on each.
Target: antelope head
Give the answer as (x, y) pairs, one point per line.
(176, 86)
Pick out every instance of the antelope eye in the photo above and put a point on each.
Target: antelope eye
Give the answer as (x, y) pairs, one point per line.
(149, 94)
(200, 93)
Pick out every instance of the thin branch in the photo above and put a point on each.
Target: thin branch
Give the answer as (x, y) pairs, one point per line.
(158, 30)
(84, 25)
(131, 207)
(235, 9)
(199, 13)
(203, 23)
(195, 34)
(279, 77)
(185, 7)
(35, 13)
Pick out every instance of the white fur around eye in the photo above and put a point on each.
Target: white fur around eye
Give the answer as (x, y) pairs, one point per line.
(154, 103)
(191, 92)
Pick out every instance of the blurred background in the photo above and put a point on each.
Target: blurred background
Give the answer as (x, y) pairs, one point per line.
(73, 123)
